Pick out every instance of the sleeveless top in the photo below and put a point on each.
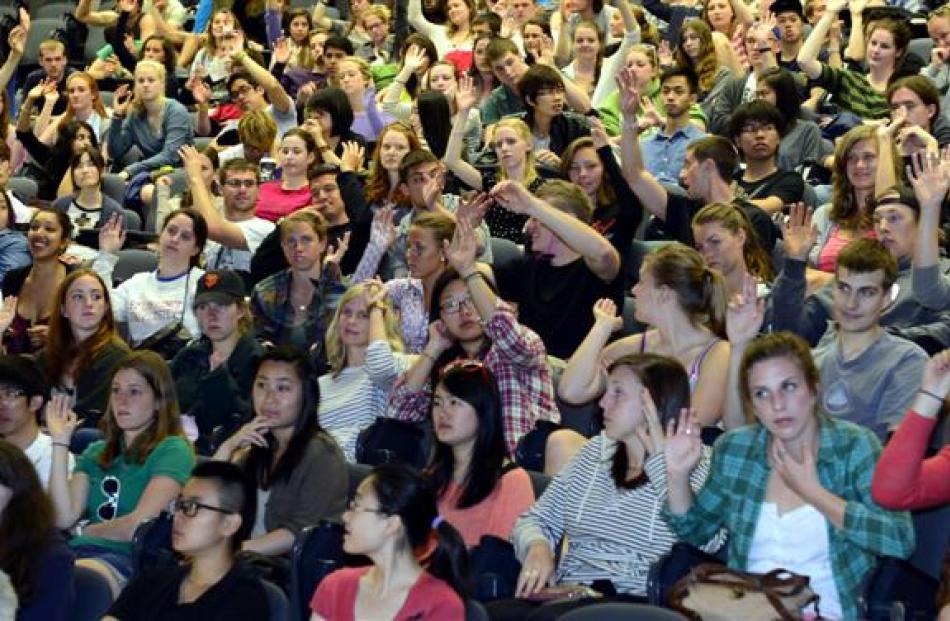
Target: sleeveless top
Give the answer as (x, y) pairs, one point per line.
(693, 373)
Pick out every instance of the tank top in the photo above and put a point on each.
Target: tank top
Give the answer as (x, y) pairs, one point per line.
(693, 374)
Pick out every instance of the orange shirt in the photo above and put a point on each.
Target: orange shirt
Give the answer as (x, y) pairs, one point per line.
(496, 514)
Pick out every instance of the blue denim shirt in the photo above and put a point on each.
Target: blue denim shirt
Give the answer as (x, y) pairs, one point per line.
(663, 155)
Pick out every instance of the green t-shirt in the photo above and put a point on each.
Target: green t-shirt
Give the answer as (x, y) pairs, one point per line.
(122, 485)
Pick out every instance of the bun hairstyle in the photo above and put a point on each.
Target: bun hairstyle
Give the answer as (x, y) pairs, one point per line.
(409, 495)
(700, 290)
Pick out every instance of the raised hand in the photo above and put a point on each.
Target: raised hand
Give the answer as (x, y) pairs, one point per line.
(472, 208)
(383, 231)
(914, 139)
(857, 6)
(25, 19)
(513, 196)
(465, 95)
(545, 55)
(629, 93)
(191, 162)
(376, 295)
(928, 178)
(439, 338)
(17, 40)
(649, 113)
(598, 134)
(606, 317)
(7, 312)
(61, 420)
(651, 433)
(352, 158)
(548, 158)
(683, 444)
(745, 313)
(665, 54)
(460, 253)
(112, 235)
(282, 50)
(798, 232)
(432, 190)
(335, 254)
(41, 89)
(936, 376)
(122, 100)
(887, 130)
(415, 58)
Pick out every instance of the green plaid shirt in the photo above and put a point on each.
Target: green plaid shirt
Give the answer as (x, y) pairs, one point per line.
(735, 490)
(852, 91)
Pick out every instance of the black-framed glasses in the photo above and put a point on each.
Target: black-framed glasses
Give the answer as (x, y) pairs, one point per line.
(238, 183)
(189, 507)
(110, 487)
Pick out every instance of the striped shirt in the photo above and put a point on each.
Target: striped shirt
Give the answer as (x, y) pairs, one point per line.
(352, 400)
(852, 91)
(612, 534)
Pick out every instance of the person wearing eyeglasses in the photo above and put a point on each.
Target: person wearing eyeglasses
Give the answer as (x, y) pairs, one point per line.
(126, 478)
(418, 558)
(470, 321)
(23, 393)
(213, 516)
(234, 233)
(298, 468)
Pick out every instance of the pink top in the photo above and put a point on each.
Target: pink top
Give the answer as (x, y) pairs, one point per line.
(828, 256)
(903, 479)
(496, 515)
(273, 202)
(429, 598)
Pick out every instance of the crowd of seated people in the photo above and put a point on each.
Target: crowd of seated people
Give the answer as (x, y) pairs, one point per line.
(619, 275)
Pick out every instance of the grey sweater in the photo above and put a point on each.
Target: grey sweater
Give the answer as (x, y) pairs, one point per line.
(157, 150)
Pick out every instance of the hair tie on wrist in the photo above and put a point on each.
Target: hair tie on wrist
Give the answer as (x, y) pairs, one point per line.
(436, 521)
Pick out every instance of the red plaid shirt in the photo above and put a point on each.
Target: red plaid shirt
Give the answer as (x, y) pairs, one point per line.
(518, 360)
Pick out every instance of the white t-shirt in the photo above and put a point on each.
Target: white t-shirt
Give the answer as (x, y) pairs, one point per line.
(23, 213)
(148, 303)
(41, 454)
(217, 257)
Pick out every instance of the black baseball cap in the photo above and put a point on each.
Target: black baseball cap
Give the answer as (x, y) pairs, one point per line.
(219, 287)
(787, 6)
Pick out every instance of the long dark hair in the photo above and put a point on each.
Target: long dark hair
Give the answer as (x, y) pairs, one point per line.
(668, 384)
(435, 115)
(199, 227)
(26, 524)
(260, 458)
(67, 133)
(448, 276)
(408, 494)
(474, 384)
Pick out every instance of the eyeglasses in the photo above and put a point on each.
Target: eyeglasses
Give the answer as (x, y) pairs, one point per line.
(110, 486)
(189, 507)
(240, 91)
(11, 394)
(239, 183)
(755, 128)
(455, 305)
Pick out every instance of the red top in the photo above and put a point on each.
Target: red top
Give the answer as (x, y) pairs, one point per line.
(273, 202)
(903, 479)
(429, 598)
(495, 515)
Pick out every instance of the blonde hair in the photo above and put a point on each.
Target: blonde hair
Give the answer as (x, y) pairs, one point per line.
(361, 64)
(258, 129)
(145, 65)
(336, 350)
(52, 45)
(524, 132)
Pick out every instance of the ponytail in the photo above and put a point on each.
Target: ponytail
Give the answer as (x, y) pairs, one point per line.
(446, 557)
(714, 296)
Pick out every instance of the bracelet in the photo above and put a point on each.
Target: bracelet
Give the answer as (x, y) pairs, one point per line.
(474, 274)
(63, 444)
(931, 395)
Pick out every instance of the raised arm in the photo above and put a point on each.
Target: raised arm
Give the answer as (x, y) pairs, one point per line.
(584, 377)
(598, 253)
(418, 21)
(69, 494)
(576, 97)
(856, 43)
(86, 15)
(465, 100)
(275, 92)
(220, 229)
(651, 193)
(885, 175)
(16, 42)
(808, 56)
(743, 323)
(611, 66)
(930, 179)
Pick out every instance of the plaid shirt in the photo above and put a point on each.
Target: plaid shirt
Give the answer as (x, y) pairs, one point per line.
(273, 312)
(518, 360)
(852, 91)
(735, 490)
